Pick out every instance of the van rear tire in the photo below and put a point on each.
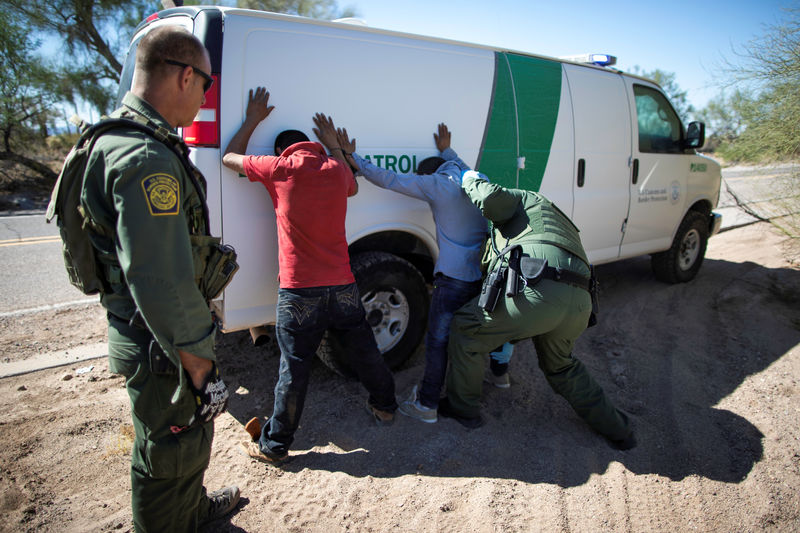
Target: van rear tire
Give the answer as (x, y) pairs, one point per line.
(682, 261)
(395, 299)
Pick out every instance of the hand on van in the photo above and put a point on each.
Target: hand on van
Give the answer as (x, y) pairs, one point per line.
(326, 133)
(258, 107)
(443, 139)
(349, 147)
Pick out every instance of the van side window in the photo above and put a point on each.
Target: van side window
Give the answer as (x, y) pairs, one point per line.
(659, 125)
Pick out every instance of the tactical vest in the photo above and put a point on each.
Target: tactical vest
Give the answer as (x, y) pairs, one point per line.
(214, 263)
(552, 226)
(547, 224)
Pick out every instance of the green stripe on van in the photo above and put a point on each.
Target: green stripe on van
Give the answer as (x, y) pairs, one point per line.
(499, 154)
(537, 84)
(538, 87)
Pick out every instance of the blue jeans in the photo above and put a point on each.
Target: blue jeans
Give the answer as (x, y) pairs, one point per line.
(449, 294)
(303, 316)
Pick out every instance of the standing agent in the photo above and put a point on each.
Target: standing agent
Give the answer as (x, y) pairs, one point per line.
(144, 206)
(551, 305)
(317, 290)
(460, 234)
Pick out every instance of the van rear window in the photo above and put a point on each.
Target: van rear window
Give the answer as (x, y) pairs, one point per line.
(126, 78)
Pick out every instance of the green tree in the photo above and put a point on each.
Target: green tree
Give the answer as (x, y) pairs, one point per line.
(770, 70)
(94, 37)
(677, 96)
(724, 117)
(25, 97)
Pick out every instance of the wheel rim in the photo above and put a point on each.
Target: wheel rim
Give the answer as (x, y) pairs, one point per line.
(387, 314)
(690, 250)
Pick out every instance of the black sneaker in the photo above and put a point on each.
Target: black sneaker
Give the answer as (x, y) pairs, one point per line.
(446, 410)
(221, 502)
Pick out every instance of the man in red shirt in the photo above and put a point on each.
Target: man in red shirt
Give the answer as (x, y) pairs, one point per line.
(309, 191)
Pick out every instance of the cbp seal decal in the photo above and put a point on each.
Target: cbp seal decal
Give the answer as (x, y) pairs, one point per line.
(675, 195)
(162, 193)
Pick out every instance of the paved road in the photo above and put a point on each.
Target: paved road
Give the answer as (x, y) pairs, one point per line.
(34, 276)
(30, 260)
(749, 194)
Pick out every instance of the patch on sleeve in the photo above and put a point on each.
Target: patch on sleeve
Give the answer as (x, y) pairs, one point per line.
(162, 193)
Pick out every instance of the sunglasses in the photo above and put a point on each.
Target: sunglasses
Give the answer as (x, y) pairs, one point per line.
(209, 81)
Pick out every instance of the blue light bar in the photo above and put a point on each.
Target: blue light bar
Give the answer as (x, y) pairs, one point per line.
(602, 60)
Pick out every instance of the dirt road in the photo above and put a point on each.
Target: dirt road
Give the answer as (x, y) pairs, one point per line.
(709, 371)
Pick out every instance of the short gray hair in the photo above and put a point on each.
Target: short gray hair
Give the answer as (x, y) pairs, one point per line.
(167, 42)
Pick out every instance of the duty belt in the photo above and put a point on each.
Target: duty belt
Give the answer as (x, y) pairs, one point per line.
(565, 276)
(136, 321)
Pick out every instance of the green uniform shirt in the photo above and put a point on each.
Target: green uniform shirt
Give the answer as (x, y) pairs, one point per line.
(529, 219)
(138, 191)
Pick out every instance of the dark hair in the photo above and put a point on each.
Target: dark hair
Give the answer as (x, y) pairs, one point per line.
(429, 165)
(286, 138)
(167, 42)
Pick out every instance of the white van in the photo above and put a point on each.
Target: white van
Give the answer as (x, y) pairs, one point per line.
(606, 147)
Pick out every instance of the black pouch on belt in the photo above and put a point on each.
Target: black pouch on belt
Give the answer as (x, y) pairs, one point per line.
(532, 269)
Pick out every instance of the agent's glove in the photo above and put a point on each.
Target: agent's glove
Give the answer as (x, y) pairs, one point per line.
(211, 398)
(502, 354)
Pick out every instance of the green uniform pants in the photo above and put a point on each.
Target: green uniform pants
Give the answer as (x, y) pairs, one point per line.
(554, 315)
(167, 468)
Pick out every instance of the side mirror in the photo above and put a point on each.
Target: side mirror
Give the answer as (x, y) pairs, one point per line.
(695, 135)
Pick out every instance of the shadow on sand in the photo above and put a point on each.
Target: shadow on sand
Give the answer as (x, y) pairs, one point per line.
(667, 354)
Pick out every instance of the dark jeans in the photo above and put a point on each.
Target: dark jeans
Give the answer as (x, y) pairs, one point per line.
(448, 295)
(303, 317)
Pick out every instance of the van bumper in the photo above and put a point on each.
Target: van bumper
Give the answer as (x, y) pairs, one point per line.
(714, 224)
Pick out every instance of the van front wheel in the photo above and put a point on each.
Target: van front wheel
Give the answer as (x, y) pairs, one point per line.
(395, 300)
(682, 261)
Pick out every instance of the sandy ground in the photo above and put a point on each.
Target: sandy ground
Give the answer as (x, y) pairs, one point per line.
(709, 371)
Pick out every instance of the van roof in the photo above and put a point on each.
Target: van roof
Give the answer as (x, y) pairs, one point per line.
(194, 10)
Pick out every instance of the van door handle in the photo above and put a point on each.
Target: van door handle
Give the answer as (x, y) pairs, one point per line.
(635, 176)
(581, 172)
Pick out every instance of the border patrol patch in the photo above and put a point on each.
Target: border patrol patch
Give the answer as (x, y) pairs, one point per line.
(162, 193)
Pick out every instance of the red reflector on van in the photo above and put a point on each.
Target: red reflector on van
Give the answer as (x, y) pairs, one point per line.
(204, 131)
(152, 17)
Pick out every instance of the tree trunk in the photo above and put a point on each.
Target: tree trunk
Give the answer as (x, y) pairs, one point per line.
(171, 3)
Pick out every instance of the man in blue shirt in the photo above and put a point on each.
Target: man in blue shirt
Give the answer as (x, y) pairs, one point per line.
(460, 232)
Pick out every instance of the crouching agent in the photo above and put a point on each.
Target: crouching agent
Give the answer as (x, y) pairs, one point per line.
(309, 191)
(535, 246)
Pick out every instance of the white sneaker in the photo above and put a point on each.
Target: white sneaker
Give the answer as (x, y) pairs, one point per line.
(412, 408)
(501, 382)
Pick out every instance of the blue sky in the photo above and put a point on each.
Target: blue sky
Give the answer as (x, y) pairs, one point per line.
(690, 39)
